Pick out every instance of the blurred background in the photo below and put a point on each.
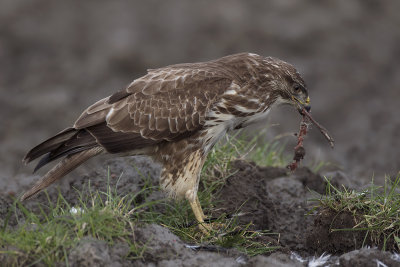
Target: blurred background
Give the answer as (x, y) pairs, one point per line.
(58, 57)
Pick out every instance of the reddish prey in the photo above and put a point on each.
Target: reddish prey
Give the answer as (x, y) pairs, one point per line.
(299, 150)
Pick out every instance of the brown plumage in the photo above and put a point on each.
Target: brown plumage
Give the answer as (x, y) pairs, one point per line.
(175, 114)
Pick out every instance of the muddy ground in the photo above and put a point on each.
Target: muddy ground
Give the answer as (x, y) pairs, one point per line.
(58, 57)
(268, 197)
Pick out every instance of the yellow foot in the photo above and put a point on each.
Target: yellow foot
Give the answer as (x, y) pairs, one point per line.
(207, 228)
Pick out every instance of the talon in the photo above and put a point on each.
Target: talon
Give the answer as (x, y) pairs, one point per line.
(206, 228)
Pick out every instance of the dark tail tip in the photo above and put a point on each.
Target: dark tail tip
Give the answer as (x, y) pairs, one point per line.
(43, 161)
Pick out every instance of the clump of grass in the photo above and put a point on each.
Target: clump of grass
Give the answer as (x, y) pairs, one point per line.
(241, 146)
(46, 237)
(267, 153)
(376, 209)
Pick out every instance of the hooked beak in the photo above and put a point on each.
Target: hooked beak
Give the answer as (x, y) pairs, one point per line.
(302, 104)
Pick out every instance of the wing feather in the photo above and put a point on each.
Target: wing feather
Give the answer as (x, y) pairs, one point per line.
(163, 105)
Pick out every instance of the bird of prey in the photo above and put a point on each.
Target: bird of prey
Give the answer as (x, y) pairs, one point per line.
(175, 114)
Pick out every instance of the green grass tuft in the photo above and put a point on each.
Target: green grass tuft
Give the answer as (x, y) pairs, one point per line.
(241, 146)
(46, 237)
(376, 209)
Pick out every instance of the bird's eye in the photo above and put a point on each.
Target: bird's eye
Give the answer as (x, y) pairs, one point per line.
(296, 88)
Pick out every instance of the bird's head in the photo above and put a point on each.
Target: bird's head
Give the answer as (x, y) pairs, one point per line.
(287, 86)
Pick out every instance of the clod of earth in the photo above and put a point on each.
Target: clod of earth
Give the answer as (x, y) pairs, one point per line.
(299, 150)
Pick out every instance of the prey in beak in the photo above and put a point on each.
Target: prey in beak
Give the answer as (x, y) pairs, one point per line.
(304, 107)
(302, 104)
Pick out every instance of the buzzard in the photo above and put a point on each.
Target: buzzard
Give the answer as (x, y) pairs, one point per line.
(175, 114)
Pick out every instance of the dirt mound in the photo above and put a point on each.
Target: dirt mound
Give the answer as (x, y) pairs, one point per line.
(320, 237)
(272, 199)
(94, 252)
(276, 200)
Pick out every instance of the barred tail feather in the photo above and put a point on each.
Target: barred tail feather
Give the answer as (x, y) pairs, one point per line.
(65, 166)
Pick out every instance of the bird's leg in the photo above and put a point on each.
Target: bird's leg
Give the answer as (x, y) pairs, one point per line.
(198, 213)
(194, 202)
(199, 205)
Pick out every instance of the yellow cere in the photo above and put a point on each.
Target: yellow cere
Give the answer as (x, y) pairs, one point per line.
(301, 102)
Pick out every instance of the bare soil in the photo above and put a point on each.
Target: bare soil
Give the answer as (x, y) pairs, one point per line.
(321, 238)
(272, 199)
